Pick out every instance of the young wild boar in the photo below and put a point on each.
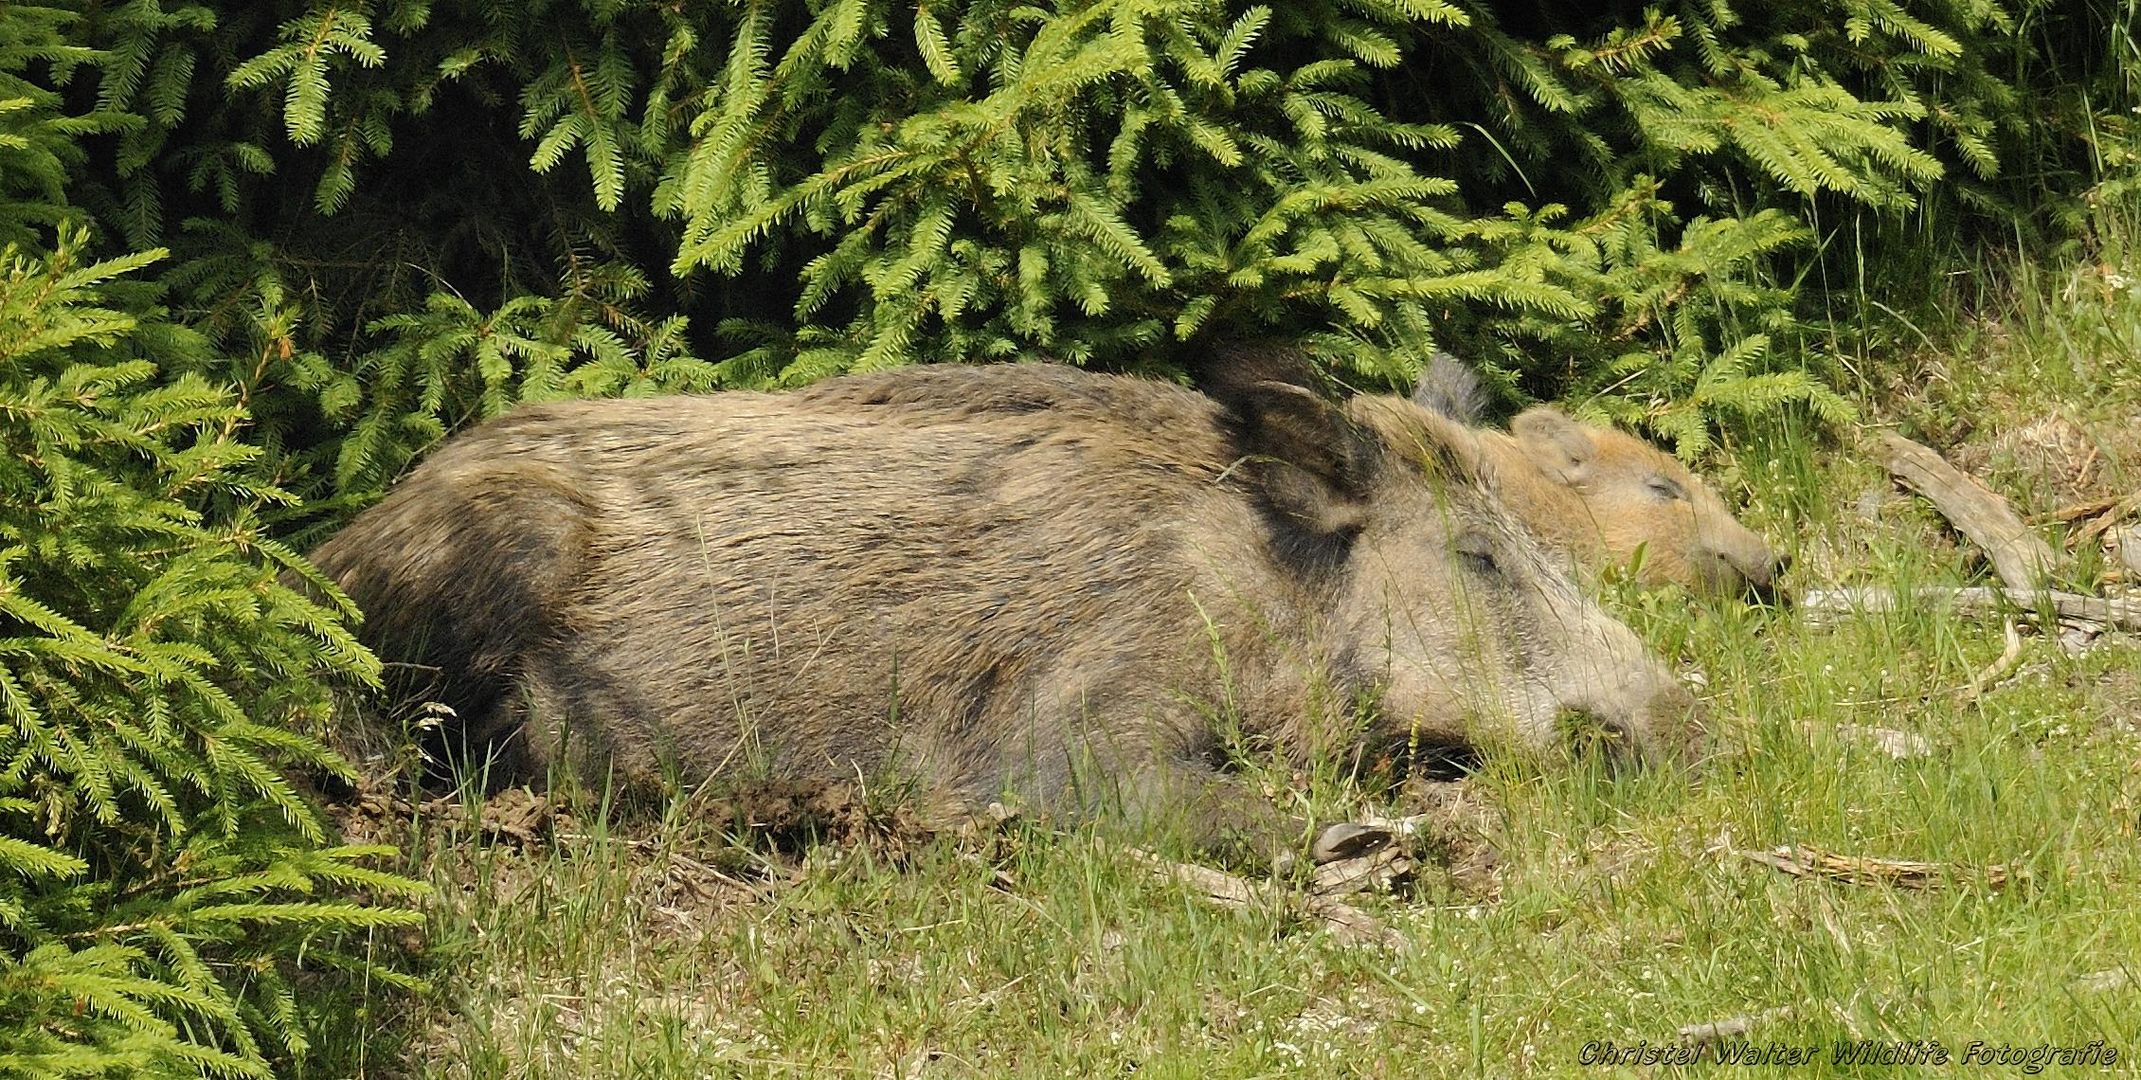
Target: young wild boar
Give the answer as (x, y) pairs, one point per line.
(1598, 494)
(1067, 587)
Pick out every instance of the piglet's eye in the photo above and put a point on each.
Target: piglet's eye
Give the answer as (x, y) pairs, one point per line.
(1664, 488)
(1477, 552)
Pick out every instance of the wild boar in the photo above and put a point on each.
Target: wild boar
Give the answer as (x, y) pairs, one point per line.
(1597, 494)
(1077, 590)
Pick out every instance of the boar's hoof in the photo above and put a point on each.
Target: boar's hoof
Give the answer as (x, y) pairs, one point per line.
(1348, 840)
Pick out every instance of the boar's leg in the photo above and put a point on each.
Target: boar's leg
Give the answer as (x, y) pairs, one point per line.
(1216, 812)
(1211, 811)
(570, 722)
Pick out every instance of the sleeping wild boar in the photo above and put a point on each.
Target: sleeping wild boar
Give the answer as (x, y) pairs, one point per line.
(1073, 589)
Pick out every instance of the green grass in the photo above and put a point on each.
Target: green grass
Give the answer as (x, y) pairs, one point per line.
(1621, 908)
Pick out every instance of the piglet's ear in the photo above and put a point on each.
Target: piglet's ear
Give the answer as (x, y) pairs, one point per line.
(1316, 466)
(1556, 444)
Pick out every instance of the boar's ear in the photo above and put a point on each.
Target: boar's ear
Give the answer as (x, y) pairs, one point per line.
(1448, 388)
(1452, 449)
(1315, 464)
(1555, 443)
(1231, 370)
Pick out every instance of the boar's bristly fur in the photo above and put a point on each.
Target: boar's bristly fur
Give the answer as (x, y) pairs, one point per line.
(1024, 579)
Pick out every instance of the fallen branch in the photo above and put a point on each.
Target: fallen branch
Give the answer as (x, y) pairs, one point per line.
(1736, 1027)
(1901, 745)
(1380, 870)
(1349, 923)
(2098, 982)
(2020, 557)
(1976, 599)
(2127, 542)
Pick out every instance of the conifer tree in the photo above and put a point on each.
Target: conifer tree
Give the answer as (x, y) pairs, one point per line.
(768, 192)
(159, 874)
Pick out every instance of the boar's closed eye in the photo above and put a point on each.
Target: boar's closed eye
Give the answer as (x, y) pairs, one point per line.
(1477, 551)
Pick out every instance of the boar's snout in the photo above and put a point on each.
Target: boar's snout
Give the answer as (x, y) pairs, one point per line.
(1767, 586)
(1742, 561)
(1678, 726)
(1665, 726)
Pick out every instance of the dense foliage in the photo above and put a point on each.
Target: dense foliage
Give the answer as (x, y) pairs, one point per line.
(392, 217)
(261, 255)
(157, 870)
(159, 875)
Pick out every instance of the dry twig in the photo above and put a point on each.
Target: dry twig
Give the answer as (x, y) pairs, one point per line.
(1349, 923)
(1997, 671)
(1803, 861)
(1976, 599)
(2116, 513)
(1901, 745)
(2099, 982)
(1733, 1027)
(2078, 511)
